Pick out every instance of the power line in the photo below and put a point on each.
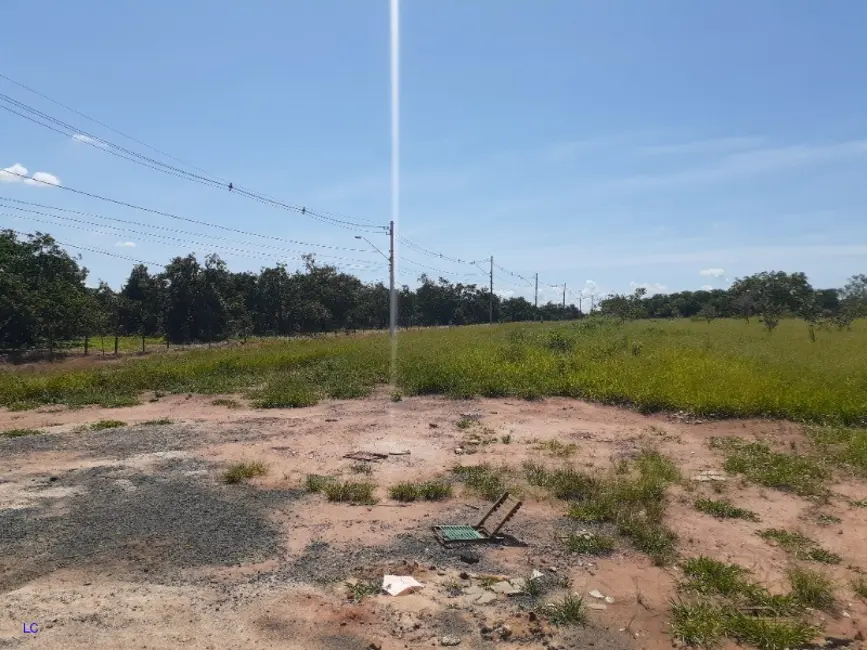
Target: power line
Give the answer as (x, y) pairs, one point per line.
(93, 250)
(125, 204)
(157, 227)
(146, 161)
(231, 249)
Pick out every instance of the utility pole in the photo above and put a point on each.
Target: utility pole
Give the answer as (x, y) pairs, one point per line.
(491, 309)
(536, 301)
(579, 302)
(392, 294)
(564, 296)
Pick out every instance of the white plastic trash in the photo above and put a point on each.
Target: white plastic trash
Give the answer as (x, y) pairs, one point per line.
(400, 585)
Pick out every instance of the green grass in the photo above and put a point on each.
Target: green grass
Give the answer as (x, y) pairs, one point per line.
(859, 586)
(788, 472)
(154, 423)
(355, 492)
(568, 611)
(106, 424)
(358, 591)
(725, 368)
(486, 481)
(429, 491)
(590, 543)
(799, 546)
(19, 433)
(812, 589)
(845, 446)
(724, 509)
(228, 403)
(243, 471)
(718, 600)
(557, 448)
(633, 499)
(316, 483)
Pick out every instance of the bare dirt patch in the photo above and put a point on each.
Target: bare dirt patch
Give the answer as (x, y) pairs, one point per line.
(130, 538)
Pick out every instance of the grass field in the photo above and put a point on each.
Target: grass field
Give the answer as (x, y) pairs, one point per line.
(723, 368)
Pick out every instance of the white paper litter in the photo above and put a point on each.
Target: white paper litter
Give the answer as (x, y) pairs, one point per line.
(399, 585)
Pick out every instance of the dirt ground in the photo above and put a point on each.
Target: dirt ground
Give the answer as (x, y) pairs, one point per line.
(127, 537)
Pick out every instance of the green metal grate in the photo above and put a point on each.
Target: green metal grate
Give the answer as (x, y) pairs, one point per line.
(459, 533)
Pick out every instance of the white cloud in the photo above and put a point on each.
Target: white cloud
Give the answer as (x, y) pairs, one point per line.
(18, 173)
(125, 244)
(86, 139)
(706, 287)
(590, 288)
(651, 287)
(8, 174)
(43, 178)
(712, 273)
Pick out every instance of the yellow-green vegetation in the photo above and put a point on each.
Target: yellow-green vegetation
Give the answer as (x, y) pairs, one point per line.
(631, 499)
(859, 586)
(154, 423)
(107, 424)
(358, 591)
(486, 481)
(588, 543)
(227, 402)
(360, 467)
(568, 611)
(719, 600)
(355, 492)
(725, 368)
(800, 546)
(19, 433)
(429, 491)
(724, 509)
(846, 447)
(316, 483)
(557, 448)
(789, 472)
(245, 470)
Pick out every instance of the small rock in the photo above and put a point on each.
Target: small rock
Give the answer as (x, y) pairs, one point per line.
(433, 425)
(486, 598)
(505, 632)
(598, 606)
(463, 575)
(532, 616)
(459, 451)
(596, 594)
(469, 558)
(450, 640)
(609, 600)
(486, 629)
(374, 646)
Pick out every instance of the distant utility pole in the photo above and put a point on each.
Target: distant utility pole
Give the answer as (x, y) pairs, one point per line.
(392, 294)
(491, 310)
(536, 302)
(564, 295)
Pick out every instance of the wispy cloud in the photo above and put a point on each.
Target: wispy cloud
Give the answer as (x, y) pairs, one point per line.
(706, 287)
(698, 147)
(748, 163)
(125, 244)
(18, 173)
(712, 273)
(86, 139)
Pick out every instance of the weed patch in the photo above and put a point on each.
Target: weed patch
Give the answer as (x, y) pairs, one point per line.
(243, 471)
(799, 546)
(590, 543)
(106, 424)
(724, 509)
(19, 433)
(228, 403)
(360, 493)
(812, 589)
(845, 446)
(486, 481)
(360, 467)
(358, 591)
(568, 611)
(802, 475)
(859, 586)
(155, 423)
(316, 483)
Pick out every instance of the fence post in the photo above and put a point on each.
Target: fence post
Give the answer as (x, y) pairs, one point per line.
(115, 343)
(86, 341)
(142, 342)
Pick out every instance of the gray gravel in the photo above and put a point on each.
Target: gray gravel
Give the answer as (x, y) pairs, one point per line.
(151, 525)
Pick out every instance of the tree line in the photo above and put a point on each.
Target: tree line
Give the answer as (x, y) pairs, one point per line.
(44, 300)
(768, 296)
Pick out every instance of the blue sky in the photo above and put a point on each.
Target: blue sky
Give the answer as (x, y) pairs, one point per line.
(672, 144)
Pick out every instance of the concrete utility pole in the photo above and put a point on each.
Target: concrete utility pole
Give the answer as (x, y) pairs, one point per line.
(564, 295)
(491, 309)
(536, 302)
(392, 294)
(580, 296)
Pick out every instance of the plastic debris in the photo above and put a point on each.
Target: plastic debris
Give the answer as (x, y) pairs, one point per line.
(597, 594)
(400, 585)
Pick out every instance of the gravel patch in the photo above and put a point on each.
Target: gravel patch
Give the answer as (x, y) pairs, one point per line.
(152, 525)
(123, 442)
